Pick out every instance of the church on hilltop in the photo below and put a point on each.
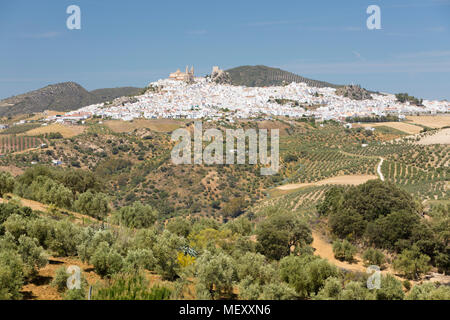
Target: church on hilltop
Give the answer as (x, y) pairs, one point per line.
(187, 76)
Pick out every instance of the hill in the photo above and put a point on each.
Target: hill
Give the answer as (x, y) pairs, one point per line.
(354, 92)
(262, 76)
(64, 96)
(118, 204)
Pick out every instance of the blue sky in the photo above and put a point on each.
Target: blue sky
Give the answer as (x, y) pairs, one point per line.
(131, 43)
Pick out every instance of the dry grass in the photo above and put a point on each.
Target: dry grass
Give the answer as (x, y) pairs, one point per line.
(348, 180)
(441, 137)
(159, 125)
(431, 121)
(41, 289)
(269, 125)
(15, 171)
(66, 130)
(324, 249)
(42, 115)
(402, 126)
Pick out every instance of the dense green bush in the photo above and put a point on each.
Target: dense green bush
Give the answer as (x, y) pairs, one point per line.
(306, 274)
(355, 290)
(350, 211)
(429, 291)
(136, 216)
(90, 240)
(374, 257)
(11, 275)
(180, 226)
(63, 238)
(8, 209)
(106, 261)
(6, 183)
(33, 256)
(130, 287)
(93, 204)
(344, 250)
(165, 251)
(412, 263)
(47, 190)
(216, 274)
(16, 225)
(240, 226)
(390, 289)
(139, 259)
(75, 294)
(279, 232)
(60, 279)
(387, 231)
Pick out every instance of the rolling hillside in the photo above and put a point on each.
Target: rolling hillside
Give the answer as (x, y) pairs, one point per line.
(64, 96)
(262, 76)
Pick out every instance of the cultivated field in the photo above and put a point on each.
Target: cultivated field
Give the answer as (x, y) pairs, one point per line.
(66, 130)
(402, 126)
(340, 180)
(160, 125)
(11, 143)
(431, 121)
(441, 137)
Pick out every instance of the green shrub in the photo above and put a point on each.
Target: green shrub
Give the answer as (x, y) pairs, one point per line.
(60, 279)
(429, 291)
(75, 294)
(165, 251)
(390, 289)
(139, 259)
(215, 275)
(412, 263)
(136, 216)
(180, 226)
(106, 261)
(93, 204)
(130, 287)
(6, 183)
(33, 256)
(407, 285)
(63, 238)
(11, 275)
(306, 274)
(279, 232)
(344, 250)
(374, 257)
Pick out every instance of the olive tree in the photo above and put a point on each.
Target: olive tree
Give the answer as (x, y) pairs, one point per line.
(216, 274)
(412, 263)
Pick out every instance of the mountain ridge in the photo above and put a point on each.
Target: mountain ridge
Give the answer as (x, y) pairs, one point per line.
(263, 76)
(64, 96)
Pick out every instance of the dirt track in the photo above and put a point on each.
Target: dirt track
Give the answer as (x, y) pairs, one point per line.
(324, 249)
(350, 180)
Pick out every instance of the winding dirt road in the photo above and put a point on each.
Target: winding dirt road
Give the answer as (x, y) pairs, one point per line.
(379, 169)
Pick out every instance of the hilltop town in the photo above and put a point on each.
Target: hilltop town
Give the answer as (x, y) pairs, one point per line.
(184, 96)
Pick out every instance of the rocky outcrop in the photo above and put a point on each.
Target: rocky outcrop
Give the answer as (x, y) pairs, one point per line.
(354, 92)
